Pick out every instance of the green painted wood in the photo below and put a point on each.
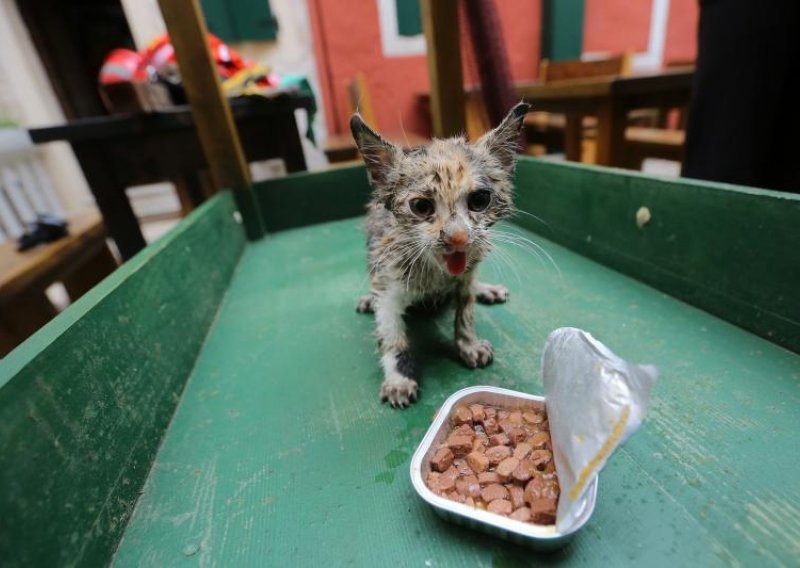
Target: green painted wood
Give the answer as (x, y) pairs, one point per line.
(254, 20)
(85, 401)
(307, 198)
(242, 20)
(409, 18)
(280, 454)
(562, 29)
(730, 250)
(219, 19)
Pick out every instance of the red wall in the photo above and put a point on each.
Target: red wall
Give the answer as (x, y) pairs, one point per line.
(682, 31)
(616, 26)
(346, 39)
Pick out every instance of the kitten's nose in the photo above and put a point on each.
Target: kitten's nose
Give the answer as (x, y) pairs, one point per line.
(458, 238)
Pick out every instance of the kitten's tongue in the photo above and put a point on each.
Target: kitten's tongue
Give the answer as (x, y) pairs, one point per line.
(456, 262)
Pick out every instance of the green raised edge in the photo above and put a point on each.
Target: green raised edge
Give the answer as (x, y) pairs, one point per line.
(85, 401)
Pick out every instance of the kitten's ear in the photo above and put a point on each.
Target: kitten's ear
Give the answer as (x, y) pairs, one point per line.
(379, 155)
(503, 141)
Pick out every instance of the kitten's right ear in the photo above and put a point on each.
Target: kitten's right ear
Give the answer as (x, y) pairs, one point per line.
(379, 155)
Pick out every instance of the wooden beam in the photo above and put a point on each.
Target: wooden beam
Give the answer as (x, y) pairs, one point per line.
(440, 22)
(210, 109)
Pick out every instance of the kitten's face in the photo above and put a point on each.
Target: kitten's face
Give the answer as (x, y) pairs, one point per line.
(445, 196)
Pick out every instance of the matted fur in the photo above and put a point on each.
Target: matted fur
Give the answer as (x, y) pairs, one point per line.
(406, 249)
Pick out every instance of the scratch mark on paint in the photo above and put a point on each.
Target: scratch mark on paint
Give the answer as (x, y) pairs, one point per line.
(336, 424)
(206, 505)
(771, 519)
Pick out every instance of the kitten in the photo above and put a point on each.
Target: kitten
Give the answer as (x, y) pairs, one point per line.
(428, 228)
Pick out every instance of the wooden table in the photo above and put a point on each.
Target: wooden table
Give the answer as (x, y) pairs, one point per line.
(79, 261)
(610, 99)
(116, 152)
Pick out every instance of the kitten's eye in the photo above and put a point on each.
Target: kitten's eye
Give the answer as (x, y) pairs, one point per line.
(479, 200)
(421, 206)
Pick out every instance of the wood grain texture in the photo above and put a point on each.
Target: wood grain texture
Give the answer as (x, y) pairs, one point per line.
(85, 401)
(38, 267)
(280, 454)
(440, 23)
(200, 79)
(729, 250)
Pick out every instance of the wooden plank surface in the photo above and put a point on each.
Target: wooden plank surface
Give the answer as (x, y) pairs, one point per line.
(126, 126)
(666, 82)
(200, 80)
(85, 401)
(38, 266)
(280, 453)
(440, 22)
(727, 249)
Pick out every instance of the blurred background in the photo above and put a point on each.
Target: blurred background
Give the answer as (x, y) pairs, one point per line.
(99, 155)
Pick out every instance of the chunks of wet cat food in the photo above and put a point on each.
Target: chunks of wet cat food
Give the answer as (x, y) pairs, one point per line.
(478, 462)
(442, 459)
(499, 460)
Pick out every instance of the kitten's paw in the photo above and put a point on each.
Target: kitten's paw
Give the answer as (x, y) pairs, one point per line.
(399, 391)
(478, 353)
(366, 304)
(491, 293)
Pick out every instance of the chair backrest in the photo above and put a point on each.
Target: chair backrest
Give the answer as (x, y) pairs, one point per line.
(550, 71)
(358, 99)
(25, 187)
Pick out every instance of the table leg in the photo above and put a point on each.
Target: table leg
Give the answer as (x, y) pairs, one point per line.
(611, 123)
(293, 156)
(573, 137)
(111, 199)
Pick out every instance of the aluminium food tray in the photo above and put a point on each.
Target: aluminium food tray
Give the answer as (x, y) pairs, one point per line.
(214, 401)
(537, 537)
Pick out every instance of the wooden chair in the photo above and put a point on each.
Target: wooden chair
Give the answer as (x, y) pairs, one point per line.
(647, 135)
(660, 139)
(539, 123)
(79, 260)
(543, 130)
(341, 147)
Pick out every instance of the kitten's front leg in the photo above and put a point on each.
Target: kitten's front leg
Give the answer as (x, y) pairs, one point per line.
(474, 352)
(399, 386)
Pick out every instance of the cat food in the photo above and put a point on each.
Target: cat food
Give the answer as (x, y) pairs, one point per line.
(499, 460)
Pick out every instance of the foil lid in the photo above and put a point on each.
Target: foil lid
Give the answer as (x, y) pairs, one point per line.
(595, 401)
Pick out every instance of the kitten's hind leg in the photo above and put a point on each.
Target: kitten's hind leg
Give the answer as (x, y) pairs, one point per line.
(366, 304)
(490, 293)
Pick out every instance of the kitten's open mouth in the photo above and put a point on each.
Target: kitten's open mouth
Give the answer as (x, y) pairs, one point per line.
(456, 262)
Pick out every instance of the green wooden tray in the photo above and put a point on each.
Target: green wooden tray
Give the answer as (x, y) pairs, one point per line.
(214, 401)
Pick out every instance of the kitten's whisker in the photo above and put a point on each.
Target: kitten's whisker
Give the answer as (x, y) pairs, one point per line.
(516, 211)
(530, 246)
(422, 248)
(505, 257)
(402, 128)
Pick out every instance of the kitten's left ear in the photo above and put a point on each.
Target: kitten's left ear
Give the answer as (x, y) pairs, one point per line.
(503, 141)
(379, 155)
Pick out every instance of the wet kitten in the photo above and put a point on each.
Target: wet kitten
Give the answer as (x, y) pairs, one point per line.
(427, 229)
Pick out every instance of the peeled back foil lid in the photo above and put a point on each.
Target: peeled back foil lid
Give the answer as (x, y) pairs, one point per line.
(595, 401)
